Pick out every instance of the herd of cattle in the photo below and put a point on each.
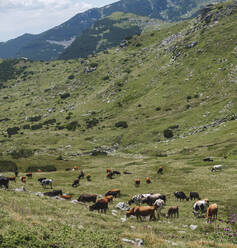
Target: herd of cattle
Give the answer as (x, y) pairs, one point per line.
(155, 202)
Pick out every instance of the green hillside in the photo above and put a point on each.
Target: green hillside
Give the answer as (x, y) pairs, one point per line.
(167, 99)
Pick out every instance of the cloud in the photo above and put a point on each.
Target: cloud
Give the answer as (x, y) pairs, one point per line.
(35, 16)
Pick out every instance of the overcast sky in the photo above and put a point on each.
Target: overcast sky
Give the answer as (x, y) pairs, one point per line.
(34, 16)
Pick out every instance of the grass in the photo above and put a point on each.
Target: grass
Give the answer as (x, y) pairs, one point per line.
(193, 90)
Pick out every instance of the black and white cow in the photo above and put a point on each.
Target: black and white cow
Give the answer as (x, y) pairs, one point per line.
(46, 182)
(138, 199)
(200, 207)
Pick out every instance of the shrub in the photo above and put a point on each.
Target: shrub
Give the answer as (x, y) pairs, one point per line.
(71, 77)
(21, 153)
(168, 133)
(7, 166)
(44, 168)
(92, 122)
(122, 124)
(12, 130)
(72, 126)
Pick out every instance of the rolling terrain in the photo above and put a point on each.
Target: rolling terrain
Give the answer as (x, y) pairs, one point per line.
(166, 98)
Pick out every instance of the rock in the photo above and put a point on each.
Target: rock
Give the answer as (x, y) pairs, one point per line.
(114, 212)
(122, 206)
(137, 242)
(123, 219)
(193, 227)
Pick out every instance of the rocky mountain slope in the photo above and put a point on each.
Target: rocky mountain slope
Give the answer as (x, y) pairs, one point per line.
(169, 91)
(50, 44)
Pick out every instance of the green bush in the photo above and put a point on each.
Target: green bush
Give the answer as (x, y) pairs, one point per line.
(7, 166)
(21, 153)
(43, 168)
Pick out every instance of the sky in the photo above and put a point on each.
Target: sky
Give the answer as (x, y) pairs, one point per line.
(18, 17)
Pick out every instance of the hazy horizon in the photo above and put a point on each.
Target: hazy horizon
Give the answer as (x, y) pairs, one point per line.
(19, 17)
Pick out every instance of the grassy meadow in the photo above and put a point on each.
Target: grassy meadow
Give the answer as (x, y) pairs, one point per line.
(180, 77)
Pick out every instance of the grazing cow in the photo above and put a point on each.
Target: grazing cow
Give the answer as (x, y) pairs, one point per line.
(110, 175)
(100, 205)
(194, 195)
(66, 197)
(159, 205)
(180, 195)
(113, 192)
(212, 212)
(75, 168)
(137, 182)
(81, 175)
(109, 197)
(160, 170)
(142, 211)
(67, 169)
(148, 180)
(53, 193)
(12, 179)
(108, 170)
(88, 177)
(150, 200)
(200, 207)
(173, 212)
(138, 199)
(4, 181)
(87, 198)
(41, 179)
(23, 179)
(75, 183)
(208, 159)
(216, 168)
(29, 175)
(116, 172)
(46, 182)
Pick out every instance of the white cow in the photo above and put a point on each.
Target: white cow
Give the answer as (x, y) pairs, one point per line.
(216, 167)
(159, 205)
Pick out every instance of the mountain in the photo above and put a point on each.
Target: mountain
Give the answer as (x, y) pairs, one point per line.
(50, 44)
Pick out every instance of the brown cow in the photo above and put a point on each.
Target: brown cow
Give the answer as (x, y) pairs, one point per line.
(113, 192)
(143, 211)
(23, 179)
(66, 197)
(109, 197)
(108, 170)
(137, 182)
(100, 205)
(148, 180)
(212, 212)
(172, 212)
(12, 179)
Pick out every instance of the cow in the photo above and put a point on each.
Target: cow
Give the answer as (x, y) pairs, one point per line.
(29, 175)
(113, 192)
(159, 205)
(150, 200)
(194, 195)
(160, 170)
(216, 168)
(208, 159)
(100, 205)
(180, 195)
(109, 197)
(67, 169)
(12, 179)
(53, 193)
(110, 175)
(23, 179)
(173, 212)
(148, 180)
(66, 197)
(46, 182)
(81, 175)
(75, 168)
(41, 179)
(116, 172)
(138, 199)
(200, 207)
(212, 212)
(75, 183)
(137, 182)
(88, 177)
(87, 198)
(4, 181)
(142, 211)
(108, 170)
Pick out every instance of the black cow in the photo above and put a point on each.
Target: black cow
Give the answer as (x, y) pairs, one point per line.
(81, 175)
(53, 193)
(87, 198)
(4, 181)
(75, 183)
(180, 195)
(116, 172)
(194, 195)
(160, 170)
(101, 204)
